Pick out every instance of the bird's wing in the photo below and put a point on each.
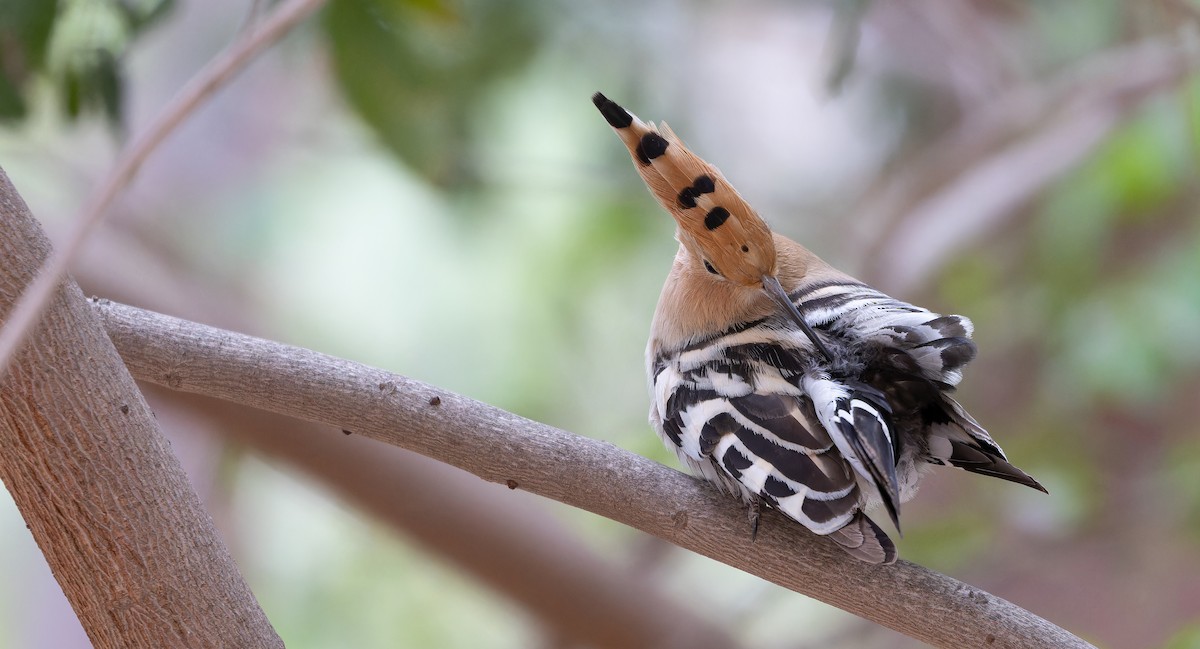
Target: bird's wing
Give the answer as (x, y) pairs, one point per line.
(914, 343)
(797, 442)
(936, 346)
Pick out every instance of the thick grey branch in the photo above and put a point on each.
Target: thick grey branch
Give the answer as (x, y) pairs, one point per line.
(501, 447)
(108, 504)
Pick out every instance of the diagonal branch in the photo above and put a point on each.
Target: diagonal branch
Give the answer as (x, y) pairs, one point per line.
(501, 447)
(531, 559)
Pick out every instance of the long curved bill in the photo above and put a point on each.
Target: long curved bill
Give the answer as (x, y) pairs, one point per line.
(773, 288)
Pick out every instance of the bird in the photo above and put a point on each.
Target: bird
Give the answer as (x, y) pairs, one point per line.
(787, 382)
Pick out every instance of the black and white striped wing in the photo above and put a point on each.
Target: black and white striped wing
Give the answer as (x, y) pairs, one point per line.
(745, 426)
(935, 346)
(912, 342)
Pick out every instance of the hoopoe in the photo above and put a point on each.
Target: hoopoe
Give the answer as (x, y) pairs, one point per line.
(786, 381)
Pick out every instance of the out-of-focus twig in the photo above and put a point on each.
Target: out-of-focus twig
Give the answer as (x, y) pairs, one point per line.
(841, 46)
(210, 79)
(953, 46)
(991, 165)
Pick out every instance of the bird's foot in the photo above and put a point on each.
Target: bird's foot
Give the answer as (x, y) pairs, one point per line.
(754, 513)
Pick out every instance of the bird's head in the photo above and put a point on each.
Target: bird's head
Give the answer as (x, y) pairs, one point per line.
(722, 234)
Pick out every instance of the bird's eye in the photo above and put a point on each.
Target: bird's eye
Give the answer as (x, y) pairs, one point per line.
(709, 268)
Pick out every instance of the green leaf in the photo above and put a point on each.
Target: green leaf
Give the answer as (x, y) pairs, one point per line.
(72, 93)
(416, 72)
(107, 87)
(25, 27)
(140, 15)
(78, 45)
(11, 104)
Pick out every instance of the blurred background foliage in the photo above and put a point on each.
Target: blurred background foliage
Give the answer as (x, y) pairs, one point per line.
(73, 45)
(423, 185)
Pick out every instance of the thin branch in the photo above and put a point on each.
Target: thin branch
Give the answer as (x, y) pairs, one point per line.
(211, 78)
(501, 447)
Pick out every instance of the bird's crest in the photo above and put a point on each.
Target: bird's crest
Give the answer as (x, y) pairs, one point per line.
(714, 221)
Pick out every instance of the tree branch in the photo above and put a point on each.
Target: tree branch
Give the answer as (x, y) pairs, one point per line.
(577, 595)
(530, 559)
(501, 447)
(108, 504)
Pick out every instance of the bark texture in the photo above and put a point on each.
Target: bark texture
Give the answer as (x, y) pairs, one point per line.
(505, 542)
(501, 447)
(106, 500)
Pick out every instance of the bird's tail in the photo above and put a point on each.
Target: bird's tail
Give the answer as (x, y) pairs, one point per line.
(963, 443)
(865, 541)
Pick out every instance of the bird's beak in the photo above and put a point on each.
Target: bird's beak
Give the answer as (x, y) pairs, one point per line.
(774, 289)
